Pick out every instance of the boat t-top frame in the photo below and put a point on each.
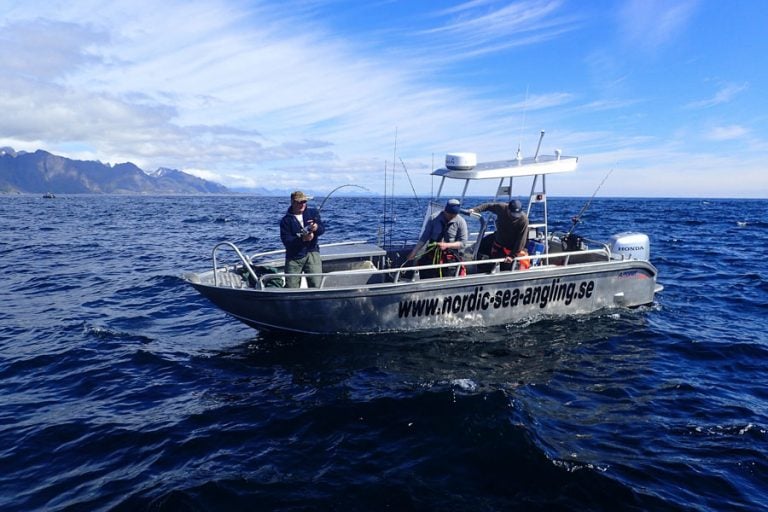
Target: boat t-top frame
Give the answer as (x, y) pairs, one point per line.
(538, 166)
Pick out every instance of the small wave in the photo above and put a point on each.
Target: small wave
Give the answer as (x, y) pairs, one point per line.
(212, 219)
(751, 223)
(105, 333)
(728, 430)
(195, 220)
(143, 358)
(249, 240)
(166, 280)
(205, 219)
(27, 365)
(572, 466)
(464, 384)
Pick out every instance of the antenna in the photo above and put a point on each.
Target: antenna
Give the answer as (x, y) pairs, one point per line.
(432, 180)
(522, 124)
(388, 218)
(383, 226)
(536, 156)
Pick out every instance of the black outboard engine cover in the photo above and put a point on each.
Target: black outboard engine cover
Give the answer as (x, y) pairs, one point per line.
(572, 242)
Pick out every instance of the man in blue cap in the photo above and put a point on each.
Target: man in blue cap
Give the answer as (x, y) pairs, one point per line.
(445, 235)
(511, 229)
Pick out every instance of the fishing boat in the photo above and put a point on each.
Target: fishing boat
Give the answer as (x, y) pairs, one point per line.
(369, 287)
(49, 195)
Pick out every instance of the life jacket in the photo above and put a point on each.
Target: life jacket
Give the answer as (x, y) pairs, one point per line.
(451, 256)
(524, 264)
(499, 251)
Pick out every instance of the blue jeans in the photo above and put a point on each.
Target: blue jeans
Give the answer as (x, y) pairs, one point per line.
(311, 264)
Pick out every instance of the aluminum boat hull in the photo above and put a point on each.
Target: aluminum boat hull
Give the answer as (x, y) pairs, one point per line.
(476, 300)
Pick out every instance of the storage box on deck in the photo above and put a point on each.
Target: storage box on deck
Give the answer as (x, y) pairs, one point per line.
(535, 248)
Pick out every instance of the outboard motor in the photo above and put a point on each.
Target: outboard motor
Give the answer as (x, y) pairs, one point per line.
(634, 246)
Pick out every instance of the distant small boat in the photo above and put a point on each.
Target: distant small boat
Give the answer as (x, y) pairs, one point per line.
(49, 195)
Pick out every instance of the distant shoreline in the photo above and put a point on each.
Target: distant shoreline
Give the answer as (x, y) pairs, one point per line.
(353, 196)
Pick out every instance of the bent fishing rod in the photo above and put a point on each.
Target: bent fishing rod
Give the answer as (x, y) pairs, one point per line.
(306, 229)
(576, 219)
(337, 188)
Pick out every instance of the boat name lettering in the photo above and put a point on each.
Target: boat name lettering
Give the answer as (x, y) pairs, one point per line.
(481, 300)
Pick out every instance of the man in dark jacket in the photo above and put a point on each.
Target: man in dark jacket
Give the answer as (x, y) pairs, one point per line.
(511, 229)
(299, 229)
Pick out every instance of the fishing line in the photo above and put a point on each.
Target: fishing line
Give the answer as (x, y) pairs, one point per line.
(337, 188)
(584, 208)
(411, 182)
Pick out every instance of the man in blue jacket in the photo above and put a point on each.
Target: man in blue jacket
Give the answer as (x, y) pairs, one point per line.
(299, 230)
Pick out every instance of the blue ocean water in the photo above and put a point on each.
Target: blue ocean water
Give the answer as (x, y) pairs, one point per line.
(123, 389)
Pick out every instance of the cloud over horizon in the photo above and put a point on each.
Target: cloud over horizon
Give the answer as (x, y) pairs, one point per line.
(252, 92)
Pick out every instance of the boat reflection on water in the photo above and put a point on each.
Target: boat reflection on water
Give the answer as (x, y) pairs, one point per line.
(522, 408)
(467, 361)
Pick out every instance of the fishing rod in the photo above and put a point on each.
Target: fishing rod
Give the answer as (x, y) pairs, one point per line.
(392, 214)
(337, 188)
(305, 230)
(415, 195)
(584, 208)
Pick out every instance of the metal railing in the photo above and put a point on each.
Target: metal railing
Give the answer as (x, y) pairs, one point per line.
(245, 261)
(248, 261)
(396, 274)
(450, 268)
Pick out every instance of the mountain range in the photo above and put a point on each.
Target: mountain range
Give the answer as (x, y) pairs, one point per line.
(41, 172)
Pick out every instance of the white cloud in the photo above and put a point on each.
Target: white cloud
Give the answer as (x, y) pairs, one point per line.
(481, 27)
(258, 93)
(725, 94)
(730, 132)
(235, 90)
(653, 168)
(650, 24)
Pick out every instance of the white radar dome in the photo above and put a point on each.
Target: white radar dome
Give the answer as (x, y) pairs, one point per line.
(460, 161)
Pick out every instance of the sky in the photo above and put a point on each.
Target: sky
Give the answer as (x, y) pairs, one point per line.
(669, 96)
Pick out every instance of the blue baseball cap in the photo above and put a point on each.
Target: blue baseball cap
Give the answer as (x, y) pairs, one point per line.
(453, 206)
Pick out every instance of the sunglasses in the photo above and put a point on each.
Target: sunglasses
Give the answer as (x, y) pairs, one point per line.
(301, 202)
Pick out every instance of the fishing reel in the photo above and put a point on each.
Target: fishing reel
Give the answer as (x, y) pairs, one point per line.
(306, 229)
(573, 242)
